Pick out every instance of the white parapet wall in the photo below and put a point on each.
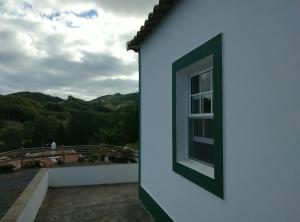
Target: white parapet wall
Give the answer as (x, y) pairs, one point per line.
(93, 175)
(26, 207)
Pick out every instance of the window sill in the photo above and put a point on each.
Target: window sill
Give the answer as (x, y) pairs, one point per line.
(199, 167)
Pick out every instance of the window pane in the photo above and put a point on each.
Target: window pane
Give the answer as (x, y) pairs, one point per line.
(195, 84)
(198, 127)
(206, 104)
(195, 104)
(206, 82)
(208, 128)
(199, 150)
(202, 151)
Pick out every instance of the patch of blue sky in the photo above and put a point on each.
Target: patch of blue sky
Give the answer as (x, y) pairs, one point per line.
(90, 14)
(52, 15)
(27, 5)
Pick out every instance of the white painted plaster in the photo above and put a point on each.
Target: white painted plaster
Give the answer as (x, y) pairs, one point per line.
(33, 205)
(26, 207)
(261, 106)
(93, 175)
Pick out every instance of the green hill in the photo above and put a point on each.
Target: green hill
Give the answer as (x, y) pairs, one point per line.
(118, 101)
(38, 97)
(31, 119)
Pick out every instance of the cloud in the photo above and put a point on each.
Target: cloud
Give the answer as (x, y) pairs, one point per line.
(134, 8)
(27, 5)
(90, 14)
(69, 47)
(52, 15)
(128, 7)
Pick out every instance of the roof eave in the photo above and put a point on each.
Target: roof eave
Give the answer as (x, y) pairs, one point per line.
(154, 18)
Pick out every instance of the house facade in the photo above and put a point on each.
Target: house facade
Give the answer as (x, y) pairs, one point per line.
(219, 112)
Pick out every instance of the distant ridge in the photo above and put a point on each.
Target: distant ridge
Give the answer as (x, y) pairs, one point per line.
(31, 119)
(38, 97)
(105, 103)
(118, 101)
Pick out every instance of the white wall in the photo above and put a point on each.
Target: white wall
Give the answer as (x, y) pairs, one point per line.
(92, 175)
(33, 205)
(261, 110)
(26, 207)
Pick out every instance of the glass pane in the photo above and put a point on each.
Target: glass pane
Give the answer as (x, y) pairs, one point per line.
(199, 150)
(198, 127)
(195, 104)
(206, 104)
(208, 128)
(206, 82)
(202, 151)
(195, 84)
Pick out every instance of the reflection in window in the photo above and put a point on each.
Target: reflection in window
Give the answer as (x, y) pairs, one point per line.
(201, 142)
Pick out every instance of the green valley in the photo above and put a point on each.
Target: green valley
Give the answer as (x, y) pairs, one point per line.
(30, 119)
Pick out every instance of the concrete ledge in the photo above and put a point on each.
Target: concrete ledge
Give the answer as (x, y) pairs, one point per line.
(93, 175)
(26, 207)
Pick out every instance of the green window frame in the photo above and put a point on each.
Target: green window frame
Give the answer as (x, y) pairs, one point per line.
(212, 49)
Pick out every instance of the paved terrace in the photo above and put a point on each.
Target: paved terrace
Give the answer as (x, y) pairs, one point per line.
(103, 203)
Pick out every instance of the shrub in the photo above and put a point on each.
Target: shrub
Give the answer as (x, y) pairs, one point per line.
(81, 158)
(32, 164)
(59, 161)
(8, 168)
(91, 160)
(95, 157)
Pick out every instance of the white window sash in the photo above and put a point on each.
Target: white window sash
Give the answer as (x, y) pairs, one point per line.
(200, 94)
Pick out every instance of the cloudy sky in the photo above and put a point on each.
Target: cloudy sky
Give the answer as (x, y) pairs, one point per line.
(70, 47)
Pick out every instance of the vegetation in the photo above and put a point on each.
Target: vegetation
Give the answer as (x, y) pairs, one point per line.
(8, 168)
(32, 164)
(34, 119)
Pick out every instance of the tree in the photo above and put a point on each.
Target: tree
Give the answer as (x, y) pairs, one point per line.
(61, 137)
(28, 128)
(113, 134)
(41, 131)
(78, 129)
(27, 134)
(12, 138)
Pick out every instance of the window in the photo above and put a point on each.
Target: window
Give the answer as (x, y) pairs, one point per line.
(200, 117)
(197, 116)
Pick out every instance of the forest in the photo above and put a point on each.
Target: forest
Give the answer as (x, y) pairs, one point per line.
(31, 119)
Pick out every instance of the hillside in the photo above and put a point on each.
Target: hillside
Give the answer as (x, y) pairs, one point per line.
(38, 97)
(33, 119)
(118, 101)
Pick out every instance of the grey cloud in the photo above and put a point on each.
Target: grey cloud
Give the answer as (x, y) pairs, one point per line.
(11, 54)
(92, 64)
(129, 7)
(59, 73)
(96, 88)
(19, 23)
(82, 88)
(135, 8)
(96, 74)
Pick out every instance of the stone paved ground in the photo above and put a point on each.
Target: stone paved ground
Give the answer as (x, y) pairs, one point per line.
(103, 203)
(12, 185)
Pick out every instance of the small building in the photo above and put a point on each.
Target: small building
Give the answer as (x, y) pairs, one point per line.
(219, 112)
